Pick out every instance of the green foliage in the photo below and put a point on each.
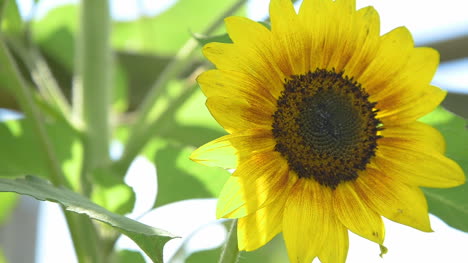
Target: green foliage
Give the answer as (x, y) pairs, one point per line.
(20, 153)
(273, 252)
(451, 204)
(164, 34)
(150, 239)
(7, 204)
(126, 256)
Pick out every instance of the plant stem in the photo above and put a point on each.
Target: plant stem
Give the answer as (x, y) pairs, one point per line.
(91, 93)
(41, 74)
(18, 87)
(79, 225)
(147, 116)
(230, 253)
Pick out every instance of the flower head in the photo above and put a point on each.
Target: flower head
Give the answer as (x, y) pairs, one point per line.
(322, 116)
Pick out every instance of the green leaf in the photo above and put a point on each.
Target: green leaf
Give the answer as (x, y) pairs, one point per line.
(151, 240)
(55, 34)
(20, 153)
(111, 192)
(154, 35)
(2, 257)
(203, 40)
(179, 178)
(451, 205)
(7, 205)
(222, 38)
(11, 22)
(128, 256)
(273, 252)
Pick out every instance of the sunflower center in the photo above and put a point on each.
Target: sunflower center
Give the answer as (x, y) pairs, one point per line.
(325, 127)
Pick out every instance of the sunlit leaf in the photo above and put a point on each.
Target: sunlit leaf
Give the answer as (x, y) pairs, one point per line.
(110, 192)
(451, 205)
(11, 22)
(128, 256)
(2, 257)
(20, 153)
(168, 31)
(151, 240)
(7, 205)
(179, 178)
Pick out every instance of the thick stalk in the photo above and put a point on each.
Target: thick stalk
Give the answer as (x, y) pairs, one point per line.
(92, 87)
(230, 253)
(147, 116)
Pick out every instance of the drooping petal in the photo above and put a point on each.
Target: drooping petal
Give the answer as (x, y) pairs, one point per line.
(417, 135)
(356, 215)
(415, 167)
(237, 85)
(230, 150)
(256, 183)
(256, 229)
(238, 115)
(394, 199)
(309, 224)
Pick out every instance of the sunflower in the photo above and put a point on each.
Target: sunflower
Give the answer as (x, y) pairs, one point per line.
(322, 114)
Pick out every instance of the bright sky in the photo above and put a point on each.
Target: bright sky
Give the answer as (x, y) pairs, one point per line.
(428, 20)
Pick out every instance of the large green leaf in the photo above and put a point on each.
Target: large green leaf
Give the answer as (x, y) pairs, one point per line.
(151, 240)
(167, 32)
(451, 205)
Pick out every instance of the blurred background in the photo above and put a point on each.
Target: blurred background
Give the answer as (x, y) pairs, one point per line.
(146, 36)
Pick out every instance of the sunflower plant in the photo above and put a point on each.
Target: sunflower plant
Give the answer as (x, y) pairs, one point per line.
(320, 125)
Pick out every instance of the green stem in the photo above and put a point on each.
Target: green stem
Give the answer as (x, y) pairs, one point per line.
(147, 115)
(92, 85)
(230, 253)
(41, 74)
(25, 99)
(79, 226)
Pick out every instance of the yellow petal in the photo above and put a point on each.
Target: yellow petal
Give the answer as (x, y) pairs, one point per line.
(246, 60)
(238, 115)
(427, 101)
(229, 150)
(415, 167)
(362, 51)
(356, 215)
(309, 225)
(255, 230)
(415, 135)
(256, 183)
(392, 55)
(394, 199)
(236, 85)
(336, 248)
